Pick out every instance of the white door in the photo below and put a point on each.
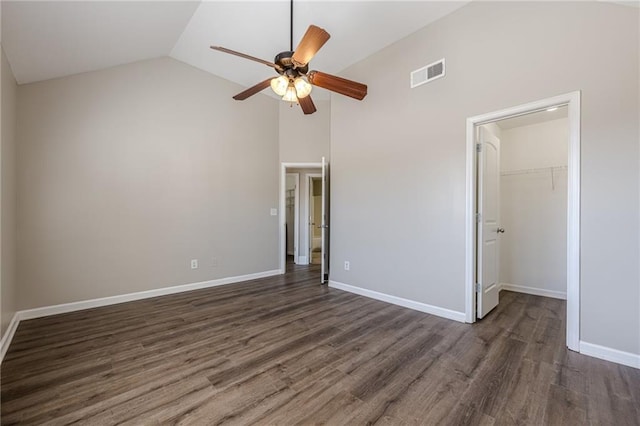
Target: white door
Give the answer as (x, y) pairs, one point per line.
(488, 221)
(324, 224)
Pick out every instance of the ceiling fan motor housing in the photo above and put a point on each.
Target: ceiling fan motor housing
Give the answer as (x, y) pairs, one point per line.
(283, 59)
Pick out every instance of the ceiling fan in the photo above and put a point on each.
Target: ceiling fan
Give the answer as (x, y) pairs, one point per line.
(295, 81)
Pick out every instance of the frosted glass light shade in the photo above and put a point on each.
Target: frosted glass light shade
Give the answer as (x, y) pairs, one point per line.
(290, 95)
(303, 88)
(279, 85)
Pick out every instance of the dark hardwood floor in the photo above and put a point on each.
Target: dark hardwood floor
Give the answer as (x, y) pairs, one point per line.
(285, 350)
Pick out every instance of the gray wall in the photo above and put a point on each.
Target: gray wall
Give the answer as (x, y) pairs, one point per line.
(128, 173)
(398, 158)
(304, 138)
(8, 279)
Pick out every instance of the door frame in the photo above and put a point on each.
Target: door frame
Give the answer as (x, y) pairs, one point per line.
(282, 220)
(309, 236)
(296, 216)
(572, 100)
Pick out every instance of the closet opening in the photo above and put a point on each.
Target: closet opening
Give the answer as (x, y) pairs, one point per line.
(522, 211)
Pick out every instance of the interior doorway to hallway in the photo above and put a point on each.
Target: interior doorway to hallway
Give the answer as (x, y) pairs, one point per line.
(307, 242)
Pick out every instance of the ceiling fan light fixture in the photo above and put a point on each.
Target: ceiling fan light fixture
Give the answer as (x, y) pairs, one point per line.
(290, 95)
(280, 85)
(303, 88)
(296, 81)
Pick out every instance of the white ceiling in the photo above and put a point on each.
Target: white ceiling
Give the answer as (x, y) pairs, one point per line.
(358, 29)
(49, 39)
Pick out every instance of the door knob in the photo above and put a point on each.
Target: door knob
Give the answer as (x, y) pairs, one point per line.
(500, 230)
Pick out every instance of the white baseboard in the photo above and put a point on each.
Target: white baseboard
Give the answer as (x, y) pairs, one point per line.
(411, 304)
(534, 291)
(112, 300)
(8, 335)
(608, 354)
(302, 260)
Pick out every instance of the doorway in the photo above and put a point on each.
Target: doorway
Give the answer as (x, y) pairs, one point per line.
(311, 242)
(484, 229)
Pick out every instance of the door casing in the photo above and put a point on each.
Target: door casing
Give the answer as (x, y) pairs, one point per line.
(572, 100)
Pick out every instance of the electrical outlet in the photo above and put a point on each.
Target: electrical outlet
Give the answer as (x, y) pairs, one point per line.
(274, 212)
(347, 265)
(194, 263)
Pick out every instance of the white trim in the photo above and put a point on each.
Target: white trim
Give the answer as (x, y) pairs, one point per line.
(608, 354)
(282, 217)
(302, 260)
(534, 291)
(112, 300)
(8, 335)
(573, 225)
(470, 227)
(411, 304)
(573, 206)
(46, 311)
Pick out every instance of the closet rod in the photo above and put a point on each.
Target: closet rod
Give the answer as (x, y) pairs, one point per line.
(529, 171)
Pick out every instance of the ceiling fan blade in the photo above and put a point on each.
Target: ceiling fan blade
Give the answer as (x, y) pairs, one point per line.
(251, 58)
(253, 90)
(353, 89)
(311, 42)
(307, 105)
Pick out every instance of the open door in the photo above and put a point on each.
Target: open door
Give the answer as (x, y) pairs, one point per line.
(324, 224)
(488, 214)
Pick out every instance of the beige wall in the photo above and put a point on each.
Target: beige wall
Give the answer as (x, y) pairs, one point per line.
(304, 138)
(8, 279)
(398, 158)
(128, 173)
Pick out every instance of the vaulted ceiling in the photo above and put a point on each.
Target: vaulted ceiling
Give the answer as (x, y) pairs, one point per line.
(49, 39)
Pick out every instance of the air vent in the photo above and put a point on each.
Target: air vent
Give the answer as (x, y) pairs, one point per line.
(426, 74)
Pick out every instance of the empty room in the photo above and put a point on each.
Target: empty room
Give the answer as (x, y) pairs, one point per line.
(320, 212)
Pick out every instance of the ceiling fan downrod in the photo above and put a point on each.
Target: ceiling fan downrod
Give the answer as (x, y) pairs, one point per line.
(291, 27)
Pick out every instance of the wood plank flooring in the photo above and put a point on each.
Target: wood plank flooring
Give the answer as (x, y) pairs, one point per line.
(285, 350)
